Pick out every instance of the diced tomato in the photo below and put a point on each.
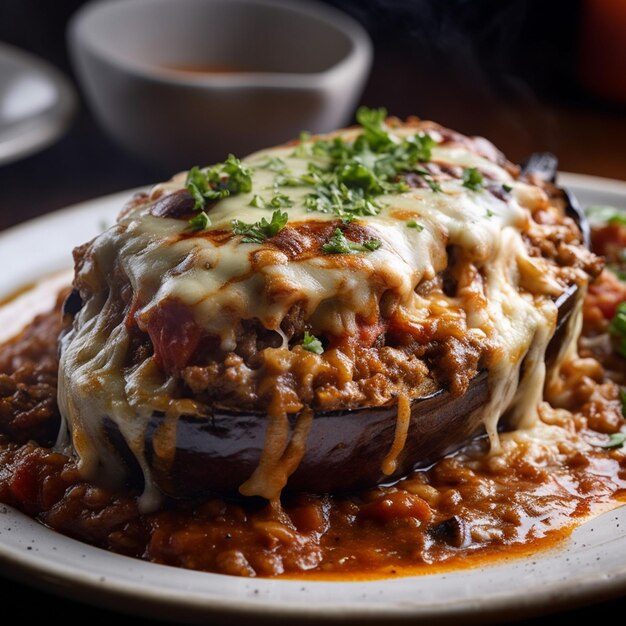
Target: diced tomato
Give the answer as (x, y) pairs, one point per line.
(174, 334)
(398, 505)
(368, 333)
(24, 486)
(604, 295)
(608, 239)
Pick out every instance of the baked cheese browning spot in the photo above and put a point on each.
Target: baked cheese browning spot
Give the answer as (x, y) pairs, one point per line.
(403, 421)
(218, 316)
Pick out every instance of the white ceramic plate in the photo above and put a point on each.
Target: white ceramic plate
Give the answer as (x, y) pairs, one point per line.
(589, 566)
(36, 103)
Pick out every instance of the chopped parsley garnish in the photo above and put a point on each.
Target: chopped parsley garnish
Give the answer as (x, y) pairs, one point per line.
(472, 179)
(507, 188)
(489, 213)
(274, 164)
(434, 186)
(346, 178)
(413, 224)
(616, 440)
(617, 328)
(622, 399)
(606, 214)
(339, 244)
(312, 343)
(218, 181)
(342, 200)
(200, 221)
(302, 149)
(374, 131)
(262, 230)
(279, 201)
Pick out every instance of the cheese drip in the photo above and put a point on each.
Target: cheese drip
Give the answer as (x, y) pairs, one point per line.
(403, 421)
(510, 303)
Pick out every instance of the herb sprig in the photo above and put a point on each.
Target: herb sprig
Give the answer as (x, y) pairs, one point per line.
(200, 221)
(215, 183)
(311, 343)
(278, 201)
(219, 181)
(416, 225)
(351, 176)
(616, 440)
(340, 244)
(472, 179)
(261, 230)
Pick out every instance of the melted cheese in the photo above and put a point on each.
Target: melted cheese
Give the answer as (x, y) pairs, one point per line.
(220, 285)
(403, 421)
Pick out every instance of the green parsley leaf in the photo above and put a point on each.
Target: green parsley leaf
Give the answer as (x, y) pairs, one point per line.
(622, 399)
(472, 179)
(489, 213)
(199, 185)
(262, 230)
(303, 149)
(339, 244)
(413, 224)
(373, 123)
(239, 176)
(340, 199)
(312, 343)
(507, 188)
(200, 221)
(257, 202)
(606, 214)
(420, 146)
(434, 186)
(278, 201)
(218, 181)
(347, 177)
(616, 440)
(617, 328)
(274, 164)
(354, 174)
(371, 244)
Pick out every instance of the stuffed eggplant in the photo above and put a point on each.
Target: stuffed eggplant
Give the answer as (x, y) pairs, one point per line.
(322, 316)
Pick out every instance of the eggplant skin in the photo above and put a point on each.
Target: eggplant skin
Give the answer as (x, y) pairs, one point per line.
(345, 449)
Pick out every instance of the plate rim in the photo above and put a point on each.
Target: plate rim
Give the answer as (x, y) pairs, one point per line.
(150, 600)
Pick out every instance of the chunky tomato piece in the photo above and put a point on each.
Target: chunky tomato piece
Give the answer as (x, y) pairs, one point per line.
(368, 333)
(174, 335)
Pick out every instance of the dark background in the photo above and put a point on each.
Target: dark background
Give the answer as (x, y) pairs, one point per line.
(506, 69)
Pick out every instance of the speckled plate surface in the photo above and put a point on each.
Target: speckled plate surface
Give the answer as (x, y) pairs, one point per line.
(589, 566)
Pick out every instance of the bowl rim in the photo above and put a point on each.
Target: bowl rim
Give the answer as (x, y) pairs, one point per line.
(356, 61)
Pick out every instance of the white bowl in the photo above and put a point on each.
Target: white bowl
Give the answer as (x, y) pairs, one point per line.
(305, 64)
